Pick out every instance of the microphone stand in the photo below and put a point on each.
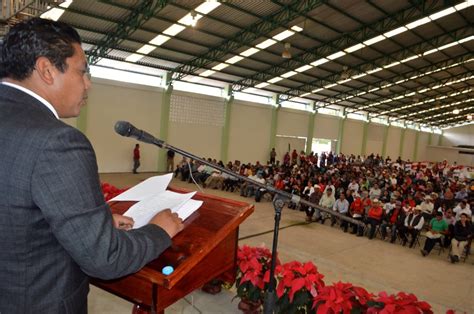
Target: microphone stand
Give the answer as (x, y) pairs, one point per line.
(279, 201)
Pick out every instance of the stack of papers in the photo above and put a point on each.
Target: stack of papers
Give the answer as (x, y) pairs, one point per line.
(152, 197)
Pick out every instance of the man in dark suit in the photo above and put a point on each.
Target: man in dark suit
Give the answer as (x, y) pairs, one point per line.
(55, 228)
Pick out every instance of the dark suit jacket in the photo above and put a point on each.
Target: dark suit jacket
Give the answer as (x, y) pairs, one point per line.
(55, 228)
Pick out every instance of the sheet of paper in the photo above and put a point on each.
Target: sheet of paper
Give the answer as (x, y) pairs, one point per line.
(188, 208)
(143, 211)
(149, 187)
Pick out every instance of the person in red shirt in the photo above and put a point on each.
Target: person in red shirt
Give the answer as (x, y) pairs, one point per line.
(136, 158)
(357, 212)
(374, 217)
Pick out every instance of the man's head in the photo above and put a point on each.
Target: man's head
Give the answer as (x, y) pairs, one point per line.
(439, 215)
(46, 57)
(342, 196)
(328, 191)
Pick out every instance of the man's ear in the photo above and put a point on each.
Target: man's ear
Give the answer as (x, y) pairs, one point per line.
(45, 70)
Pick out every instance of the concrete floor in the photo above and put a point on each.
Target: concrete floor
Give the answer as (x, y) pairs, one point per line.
(373, 264)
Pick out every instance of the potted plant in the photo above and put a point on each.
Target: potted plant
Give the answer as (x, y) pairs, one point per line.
(401, 303)
(297, 285)
(253, 263)
(341, 298)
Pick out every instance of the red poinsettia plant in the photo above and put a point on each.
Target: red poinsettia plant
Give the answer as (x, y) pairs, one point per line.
(297, 285)
(342, 298)
(252, 264)
(111, 191)
(400, 303)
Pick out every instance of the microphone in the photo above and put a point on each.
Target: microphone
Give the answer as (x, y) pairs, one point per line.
(127, 129)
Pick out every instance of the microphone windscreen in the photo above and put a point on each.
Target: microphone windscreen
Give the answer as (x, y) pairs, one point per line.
(123, 128)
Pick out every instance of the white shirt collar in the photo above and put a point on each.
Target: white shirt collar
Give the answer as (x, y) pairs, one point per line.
(33, 94)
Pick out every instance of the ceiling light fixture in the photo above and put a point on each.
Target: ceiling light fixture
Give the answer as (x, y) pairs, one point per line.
(286, 52)
(456, 111)
(469, 117)
(193, 19)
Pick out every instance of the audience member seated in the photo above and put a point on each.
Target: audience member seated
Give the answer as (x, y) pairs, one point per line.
(341, 206)
(413, 224)
(461, 235)
(357, 212)
(374, 217)
(462, 208)
(436, 229)
(314, 198)
(327, 201)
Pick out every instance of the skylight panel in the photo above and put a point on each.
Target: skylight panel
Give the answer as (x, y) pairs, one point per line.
(319, 62)
(285, 34)
(159, 40)
(275, 79)
(336, 55)
(146, 49)
(265, 44)
(234, 59)
(174, 29)
(207, 7)
(288, 74)
(395, 32)
(220, 66)
(249, 52)
(262, 85)
(374, 40)
(304, 68)
(354, 48)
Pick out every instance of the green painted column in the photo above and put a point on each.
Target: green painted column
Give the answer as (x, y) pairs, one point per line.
(363, 150)
(440, 139)
(415, 151)
(164, 118)
(385, 137)
(229, 99)
(81, 121)
(340, 134)
(274, 123)
(402, 140)
(309, 135)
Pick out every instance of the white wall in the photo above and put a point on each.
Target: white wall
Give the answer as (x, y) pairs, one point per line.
(352, 137)
(393, 142)
(249, 129)
(409, 144)
(326, 127)
(375, 133)
(249, 135)
(195, 130)
(109, 102)
(463, 135)
(422, 146)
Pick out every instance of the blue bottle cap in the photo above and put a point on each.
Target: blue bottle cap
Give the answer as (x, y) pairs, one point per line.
(167, 270)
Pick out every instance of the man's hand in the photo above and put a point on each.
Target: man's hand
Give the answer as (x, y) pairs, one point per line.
(168, 221)
(122, 222)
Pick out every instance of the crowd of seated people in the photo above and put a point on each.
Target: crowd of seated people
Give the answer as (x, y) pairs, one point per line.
(395, 199)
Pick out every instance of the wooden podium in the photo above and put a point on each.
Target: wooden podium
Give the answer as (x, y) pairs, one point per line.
(206, 249)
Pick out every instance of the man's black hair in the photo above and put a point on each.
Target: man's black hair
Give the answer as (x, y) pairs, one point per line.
(34, 38)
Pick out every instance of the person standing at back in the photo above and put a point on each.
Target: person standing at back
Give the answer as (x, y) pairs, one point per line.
(136, 158)
(55, 227)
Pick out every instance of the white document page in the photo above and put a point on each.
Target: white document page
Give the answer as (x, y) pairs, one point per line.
(188, 208)
(149, 187)
(143, 211)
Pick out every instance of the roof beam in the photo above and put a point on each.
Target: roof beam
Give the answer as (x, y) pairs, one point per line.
(379, 86)
(284, 16)
(362, 34)
(137, 17)
(385, 60)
